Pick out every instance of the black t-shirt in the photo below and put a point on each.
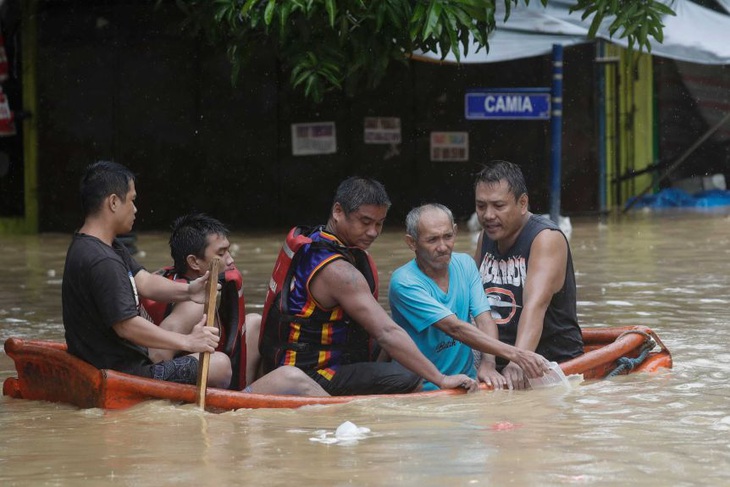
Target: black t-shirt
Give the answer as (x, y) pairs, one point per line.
(98, 291)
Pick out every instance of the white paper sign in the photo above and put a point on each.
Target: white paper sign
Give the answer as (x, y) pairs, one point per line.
(313, 138)
(449, 146)
(382, 130)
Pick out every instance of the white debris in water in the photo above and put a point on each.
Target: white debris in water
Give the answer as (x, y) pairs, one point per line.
(678, 290)
(475, 228)
(347, 433)
(51, 272)
(141, 254)
(624, 284)
(619, 303)
(473, 224)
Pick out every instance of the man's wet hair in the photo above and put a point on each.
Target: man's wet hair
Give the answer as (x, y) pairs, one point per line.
(355, 191)
(414, 217)
(495, 171)
(102, 179)
(190, 237)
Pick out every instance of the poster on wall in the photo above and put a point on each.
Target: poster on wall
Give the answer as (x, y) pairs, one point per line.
(313, 138)
(382, 130)
(449, 146)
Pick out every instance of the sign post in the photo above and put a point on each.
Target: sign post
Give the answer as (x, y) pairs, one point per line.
(508, 104)
(556, 133)
(528, 104)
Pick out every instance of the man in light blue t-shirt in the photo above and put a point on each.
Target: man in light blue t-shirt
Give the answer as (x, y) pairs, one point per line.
(434, 297)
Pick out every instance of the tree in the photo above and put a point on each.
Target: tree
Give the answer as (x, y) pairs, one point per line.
(344, 44)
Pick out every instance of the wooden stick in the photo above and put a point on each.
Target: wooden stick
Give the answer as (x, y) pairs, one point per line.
(211, 290)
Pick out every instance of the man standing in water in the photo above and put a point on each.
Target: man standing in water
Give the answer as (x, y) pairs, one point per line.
(526, 270)
(322, 310)
(102, 284)
(434, 296)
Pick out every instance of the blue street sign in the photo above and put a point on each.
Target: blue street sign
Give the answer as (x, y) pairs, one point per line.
(517, 104)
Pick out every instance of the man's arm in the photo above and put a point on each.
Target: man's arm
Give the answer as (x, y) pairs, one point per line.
(545, 276)
(144, 333)
(341, 283)
(487, 372)
(481, 338)
(158, 288)
(182, 319)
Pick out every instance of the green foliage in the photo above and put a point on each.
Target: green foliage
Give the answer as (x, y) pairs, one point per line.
(347, 44)
(637, 19)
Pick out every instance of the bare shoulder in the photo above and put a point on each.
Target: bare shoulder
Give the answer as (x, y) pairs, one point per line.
(340, 273)
(547, 261)
(337, 282)
(549, 241)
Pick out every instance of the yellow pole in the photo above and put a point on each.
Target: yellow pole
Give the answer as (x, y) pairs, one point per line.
(629, 122)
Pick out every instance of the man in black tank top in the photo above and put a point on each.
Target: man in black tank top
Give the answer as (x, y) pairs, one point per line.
(536, 313)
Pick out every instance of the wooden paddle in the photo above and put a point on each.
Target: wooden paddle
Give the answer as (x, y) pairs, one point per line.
(211, 289)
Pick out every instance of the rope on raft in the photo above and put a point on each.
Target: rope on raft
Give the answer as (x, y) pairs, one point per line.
(627, 364)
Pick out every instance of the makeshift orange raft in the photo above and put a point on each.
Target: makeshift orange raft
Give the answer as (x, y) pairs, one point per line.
(47, 372)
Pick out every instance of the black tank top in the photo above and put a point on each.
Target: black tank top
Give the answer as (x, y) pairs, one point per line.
(503, 278)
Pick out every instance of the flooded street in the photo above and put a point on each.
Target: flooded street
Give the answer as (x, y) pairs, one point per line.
(669, 271)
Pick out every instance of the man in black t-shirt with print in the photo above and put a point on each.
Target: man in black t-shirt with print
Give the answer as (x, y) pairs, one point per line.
(102, 284)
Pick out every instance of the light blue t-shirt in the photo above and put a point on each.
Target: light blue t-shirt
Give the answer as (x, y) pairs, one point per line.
(416, 303)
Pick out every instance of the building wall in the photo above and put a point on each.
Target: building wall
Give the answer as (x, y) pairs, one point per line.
(118, 80)
(692, 100)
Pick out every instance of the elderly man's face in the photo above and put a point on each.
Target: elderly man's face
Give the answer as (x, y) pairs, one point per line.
(435, 243)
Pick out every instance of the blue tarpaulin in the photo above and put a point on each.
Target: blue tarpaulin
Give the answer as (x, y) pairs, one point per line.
(677, 198)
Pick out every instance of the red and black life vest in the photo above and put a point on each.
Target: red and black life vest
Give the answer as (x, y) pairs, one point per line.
(277, 320)
(231, 318)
